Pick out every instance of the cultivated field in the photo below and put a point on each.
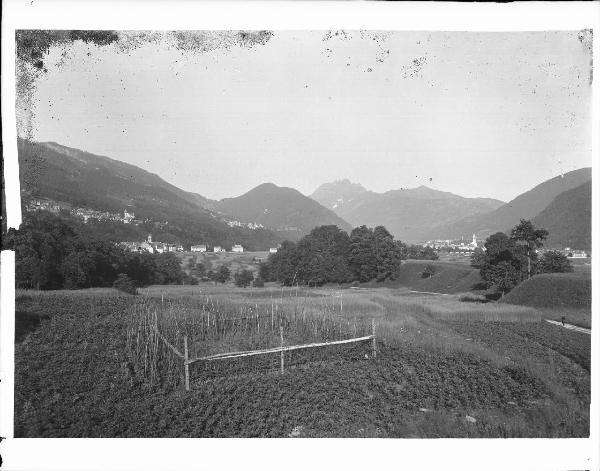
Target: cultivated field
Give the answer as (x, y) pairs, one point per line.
(89, 364)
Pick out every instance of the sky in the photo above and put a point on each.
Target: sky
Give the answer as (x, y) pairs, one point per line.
(477, 114)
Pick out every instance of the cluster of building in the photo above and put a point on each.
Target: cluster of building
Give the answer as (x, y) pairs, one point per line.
(249, 225)
(151, 246)
(452, 245)
(237, 248)
(83, 213)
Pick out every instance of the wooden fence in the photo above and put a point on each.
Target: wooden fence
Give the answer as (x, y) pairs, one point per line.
(187, 361)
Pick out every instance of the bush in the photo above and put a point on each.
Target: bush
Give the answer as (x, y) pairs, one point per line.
(473, 298)
(258, 282)
(125, 284)
(554, 261)
(243, 278)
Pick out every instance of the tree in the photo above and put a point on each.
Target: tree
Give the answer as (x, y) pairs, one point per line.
(478, 258)
(362, 259)
(258, 282)
(502, 275)
(77, 269)
(125, 284)
(322, 256)
(199, 270)
(528, 239)
(167, 269)
(264, 271)
(243, 278)
(282, 266)
(222, 275)
(554, 261)
(374, 254)
(499, 266)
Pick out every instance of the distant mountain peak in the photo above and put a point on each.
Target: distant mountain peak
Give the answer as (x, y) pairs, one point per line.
(281, 209)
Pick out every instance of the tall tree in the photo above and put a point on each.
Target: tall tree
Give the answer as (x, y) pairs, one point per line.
(528, 239)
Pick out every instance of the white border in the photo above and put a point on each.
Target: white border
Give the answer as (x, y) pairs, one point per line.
(63, 454)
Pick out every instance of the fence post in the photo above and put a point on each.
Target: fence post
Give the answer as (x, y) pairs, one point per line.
(281, 335)
(186, 363)
(374, 339)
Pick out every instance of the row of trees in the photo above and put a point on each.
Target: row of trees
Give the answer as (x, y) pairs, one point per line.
(54, 252)
(330, 255)
(509, 259)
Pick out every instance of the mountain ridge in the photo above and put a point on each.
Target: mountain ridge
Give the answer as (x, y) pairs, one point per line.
(282, 209)
(407, 213)
(82, 179)
(527, 205)
(568, 219)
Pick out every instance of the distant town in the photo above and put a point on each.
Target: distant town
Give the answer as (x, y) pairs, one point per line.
(459, 246)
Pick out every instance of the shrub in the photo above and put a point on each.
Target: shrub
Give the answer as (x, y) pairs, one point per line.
(472, 298)
(258, 282)
(125, 284)
(243, 278)
(554, 261)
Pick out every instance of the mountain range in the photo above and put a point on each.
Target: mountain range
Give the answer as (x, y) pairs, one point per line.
(259, 219)
(527, 206)
(409, 214)
(269, 214)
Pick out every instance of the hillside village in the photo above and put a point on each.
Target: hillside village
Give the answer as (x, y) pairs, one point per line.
(55, 207)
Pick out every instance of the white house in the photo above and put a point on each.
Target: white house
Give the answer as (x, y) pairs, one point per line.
(273, 250)
(198, 248)
(217, 249)
(147, 247)
(128, 217)
(577, 254)
(237, 248)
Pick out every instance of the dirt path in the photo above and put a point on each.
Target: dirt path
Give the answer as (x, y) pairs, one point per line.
(430, 292)
(570, 327)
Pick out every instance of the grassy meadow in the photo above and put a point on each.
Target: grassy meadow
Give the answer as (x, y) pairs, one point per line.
(89, 364)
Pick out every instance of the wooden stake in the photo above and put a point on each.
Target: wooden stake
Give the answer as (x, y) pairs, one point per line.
(374, 339)
(281, 335)
(186, 363)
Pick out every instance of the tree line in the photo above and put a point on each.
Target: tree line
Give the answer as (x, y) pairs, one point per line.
(510, 259)
(330, 255)
(59, 252)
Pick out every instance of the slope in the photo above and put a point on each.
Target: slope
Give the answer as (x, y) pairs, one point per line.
(568, 219)
(82, 179)
(527, 206)
(281, 209)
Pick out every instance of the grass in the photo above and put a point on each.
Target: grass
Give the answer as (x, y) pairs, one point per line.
(448, 277)
(556, 290)
(83, 370)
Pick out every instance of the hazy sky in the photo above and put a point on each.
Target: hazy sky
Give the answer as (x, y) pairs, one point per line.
(478, 114)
